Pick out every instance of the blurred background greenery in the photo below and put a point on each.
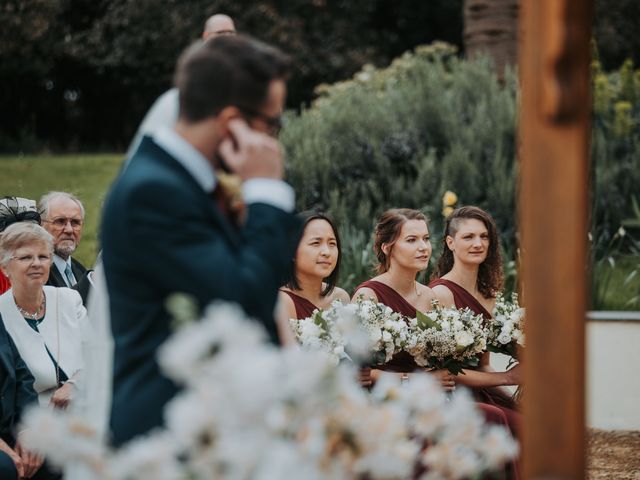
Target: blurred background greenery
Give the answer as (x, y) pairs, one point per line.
(375, 120)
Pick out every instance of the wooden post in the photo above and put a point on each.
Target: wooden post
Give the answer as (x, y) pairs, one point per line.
(554, 134)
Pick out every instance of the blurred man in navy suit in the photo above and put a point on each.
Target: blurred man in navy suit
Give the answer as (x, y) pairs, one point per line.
(171, 225)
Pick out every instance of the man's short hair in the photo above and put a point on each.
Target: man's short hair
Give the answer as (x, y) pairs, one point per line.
(224, 71)
(45, 201)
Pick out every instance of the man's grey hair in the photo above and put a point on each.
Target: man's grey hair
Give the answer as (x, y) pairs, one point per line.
(20, 234)
(47, 198)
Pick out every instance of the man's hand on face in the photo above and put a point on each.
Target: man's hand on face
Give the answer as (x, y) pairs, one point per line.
(251, 154)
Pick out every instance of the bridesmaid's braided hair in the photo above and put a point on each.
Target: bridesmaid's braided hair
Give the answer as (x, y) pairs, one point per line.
(388, 230)
(490, 273)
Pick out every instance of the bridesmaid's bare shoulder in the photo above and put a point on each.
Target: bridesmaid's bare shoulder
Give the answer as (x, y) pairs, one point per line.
(365, 293)
(340, 294)
(443, 295)
(287, 303)
(426, 297)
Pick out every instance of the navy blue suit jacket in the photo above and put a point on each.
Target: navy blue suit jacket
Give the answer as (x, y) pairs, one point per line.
(161, 233)
(16, 386)
(79, 271)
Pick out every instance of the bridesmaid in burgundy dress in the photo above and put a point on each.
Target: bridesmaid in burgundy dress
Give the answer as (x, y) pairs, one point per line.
(315, 269)
(403, 249)
(469, 274)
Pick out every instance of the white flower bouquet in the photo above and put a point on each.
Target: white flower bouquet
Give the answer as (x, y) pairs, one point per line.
(368, 329)
(321, 332)
(506, 327)
(250, 411)
(447, 338)
(387, 331)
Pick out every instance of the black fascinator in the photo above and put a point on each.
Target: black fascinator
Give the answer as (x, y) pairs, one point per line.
(17, 209)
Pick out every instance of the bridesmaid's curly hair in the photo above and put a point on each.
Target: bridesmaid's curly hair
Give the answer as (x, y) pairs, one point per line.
(388, 230)
(490, 273)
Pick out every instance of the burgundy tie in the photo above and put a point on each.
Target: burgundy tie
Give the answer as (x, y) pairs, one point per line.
(222, 202)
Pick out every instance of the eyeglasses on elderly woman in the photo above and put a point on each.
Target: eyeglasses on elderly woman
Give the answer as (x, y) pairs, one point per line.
(31, 259)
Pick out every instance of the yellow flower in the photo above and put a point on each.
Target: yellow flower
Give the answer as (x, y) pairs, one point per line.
(623, 121)
(446, 211)
(449, 199)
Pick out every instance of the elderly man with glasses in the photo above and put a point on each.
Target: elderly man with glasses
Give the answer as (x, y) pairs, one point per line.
(63, 217)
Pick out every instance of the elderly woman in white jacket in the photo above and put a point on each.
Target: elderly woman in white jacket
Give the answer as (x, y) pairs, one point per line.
(44, 322)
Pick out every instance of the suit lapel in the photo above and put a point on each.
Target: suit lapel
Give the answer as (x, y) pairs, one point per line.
(215, 215)
(55, 277)
(78, 269)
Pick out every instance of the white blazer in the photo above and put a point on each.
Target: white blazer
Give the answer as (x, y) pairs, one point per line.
(60, 331)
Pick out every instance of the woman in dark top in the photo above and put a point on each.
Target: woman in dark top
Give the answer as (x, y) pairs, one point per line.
(314, 270)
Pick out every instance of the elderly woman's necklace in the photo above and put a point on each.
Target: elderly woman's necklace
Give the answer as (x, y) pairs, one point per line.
(35, 315)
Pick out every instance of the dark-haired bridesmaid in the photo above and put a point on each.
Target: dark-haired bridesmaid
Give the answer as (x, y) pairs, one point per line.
(470, 274)
(314, 270)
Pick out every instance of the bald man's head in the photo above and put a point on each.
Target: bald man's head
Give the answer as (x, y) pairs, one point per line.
(218, 24)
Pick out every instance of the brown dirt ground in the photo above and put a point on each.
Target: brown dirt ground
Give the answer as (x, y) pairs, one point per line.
(613, 455)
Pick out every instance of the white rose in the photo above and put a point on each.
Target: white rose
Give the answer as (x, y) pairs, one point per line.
(504, 338)
(463, 339)
(375, 335)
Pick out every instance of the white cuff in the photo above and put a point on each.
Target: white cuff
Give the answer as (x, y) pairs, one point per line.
(270, 191)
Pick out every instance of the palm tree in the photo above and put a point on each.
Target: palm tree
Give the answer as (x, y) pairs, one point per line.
(491, 28)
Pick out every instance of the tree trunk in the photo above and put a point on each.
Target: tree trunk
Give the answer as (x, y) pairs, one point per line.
(491, 28)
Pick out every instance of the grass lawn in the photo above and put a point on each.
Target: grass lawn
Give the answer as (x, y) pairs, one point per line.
(87, 176)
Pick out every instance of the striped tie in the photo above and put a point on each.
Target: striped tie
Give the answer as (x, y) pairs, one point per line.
(70, 278)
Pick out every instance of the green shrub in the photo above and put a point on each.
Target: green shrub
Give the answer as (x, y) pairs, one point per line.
(431, 122)
(401, 137)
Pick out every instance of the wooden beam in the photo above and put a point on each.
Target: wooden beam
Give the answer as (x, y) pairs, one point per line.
(554, 133)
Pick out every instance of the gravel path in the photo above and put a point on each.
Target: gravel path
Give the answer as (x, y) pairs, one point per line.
(613, 455)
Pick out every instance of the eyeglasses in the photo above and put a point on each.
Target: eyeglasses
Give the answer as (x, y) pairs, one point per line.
(30, 259)
(61, 222)
(274, 124)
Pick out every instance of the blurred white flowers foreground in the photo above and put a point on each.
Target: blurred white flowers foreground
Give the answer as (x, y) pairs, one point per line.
(250, 410)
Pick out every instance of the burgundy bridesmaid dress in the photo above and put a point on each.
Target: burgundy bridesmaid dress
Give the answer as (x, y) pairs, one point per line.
(404, 362)
(401, 362)
(490, 397)
(304, 308)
